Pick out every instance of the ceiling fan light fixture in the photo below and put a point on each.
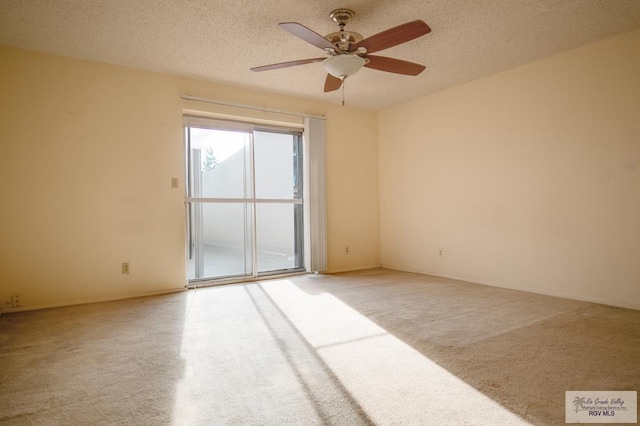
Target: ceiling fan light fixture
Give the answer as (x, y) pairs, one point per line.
(343, 66)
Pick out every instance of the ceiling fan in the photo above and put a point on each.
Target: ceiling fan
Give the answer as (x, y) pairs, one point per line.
(348, 51)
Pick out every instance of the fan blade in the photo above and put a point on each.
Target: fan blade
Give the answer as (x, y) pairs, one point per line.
(332, 83)
(393, 36)
(396, 66)
(287, 64)
(307, 35)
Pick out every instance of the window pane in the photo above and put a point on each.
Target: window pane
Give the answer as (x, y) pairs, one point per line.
(279, 236)
(276, 159)
(223, 245)
(219, 163)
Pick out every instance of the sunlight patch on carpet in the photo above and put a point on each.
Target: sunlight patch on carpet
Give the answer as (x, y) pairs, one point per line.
(363, 356)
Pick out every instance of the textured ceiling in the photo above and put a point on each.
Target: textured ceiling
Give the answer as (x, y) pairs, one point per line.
(220, 40)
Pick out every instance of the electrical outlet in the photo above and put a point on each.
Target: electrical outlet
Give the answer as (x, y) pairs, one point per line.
(15, 300)
(346, 249)
(125, 267)
(174, 183)
(441, 253)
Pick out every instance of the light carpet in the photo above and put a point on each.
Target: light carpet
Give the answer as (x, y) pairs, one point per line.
(369, 347)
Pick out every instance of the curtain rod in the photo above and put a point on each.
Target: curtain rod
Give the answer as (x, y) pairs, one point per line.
(233, 104)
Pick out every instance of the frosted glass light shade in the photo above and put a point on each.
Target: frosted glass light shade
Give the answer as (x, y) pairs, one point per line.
(343, 65)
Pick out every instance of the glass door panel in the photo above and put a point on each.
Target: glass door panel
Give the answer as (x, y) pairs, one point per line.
(220, 222)
(278, 177)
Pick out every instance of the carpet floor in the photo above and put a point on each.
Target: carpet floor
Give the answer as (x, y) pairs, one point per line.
(369, 347)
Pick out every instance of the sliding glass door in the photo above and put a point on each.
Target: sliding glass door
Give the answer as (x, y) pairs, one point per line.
(244, 201)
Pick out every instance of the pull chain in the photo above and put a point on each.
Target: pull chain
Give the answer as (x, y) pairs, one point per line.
(344, 81)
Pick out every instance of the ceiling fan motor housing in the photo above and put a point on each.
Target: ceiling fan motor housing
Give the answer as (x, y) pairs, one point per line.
(343, 39)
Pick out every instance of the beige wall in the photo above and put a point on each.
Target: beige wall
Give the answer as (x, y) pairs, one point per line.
(529, 179)
(88, 151)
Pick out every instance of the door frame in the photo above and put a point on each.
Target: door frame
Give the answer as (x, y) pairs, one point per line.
(250, 202)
